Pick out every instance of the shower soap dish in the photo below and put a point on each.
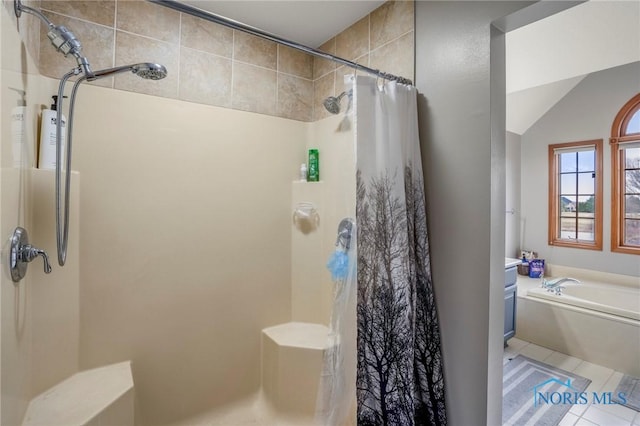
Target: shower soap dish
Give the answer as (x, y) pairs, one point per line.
(306, 217)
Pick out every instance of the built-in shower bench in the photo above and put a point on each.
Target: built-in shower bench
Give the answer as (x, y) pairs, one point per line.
(292, 356)
(101, 396)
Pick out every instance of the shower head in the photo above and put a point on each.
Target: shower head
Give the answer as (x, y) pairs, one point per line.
(332, 103)
(150, 71)
(145, 70)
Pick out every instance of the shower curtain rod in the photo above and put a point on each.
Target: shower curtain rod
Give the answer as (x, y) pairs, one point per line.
(212, 17)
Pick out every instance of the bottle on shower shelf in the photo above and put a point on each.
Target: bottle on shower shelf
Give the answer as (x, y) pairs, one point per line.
(303, 172)
(314, 166)
(47, 154)
(18, 128)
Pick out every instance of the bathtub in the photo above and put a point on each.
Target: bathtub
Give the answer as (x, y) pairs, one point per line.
(597, 321)
(611, 299)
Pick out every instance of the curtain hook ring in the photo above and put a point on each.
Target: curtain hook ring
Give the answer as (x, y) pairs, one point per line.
(381, 81)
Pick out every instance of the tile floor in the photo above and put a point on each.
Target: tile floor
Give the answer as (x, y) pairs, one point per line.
(602, 380)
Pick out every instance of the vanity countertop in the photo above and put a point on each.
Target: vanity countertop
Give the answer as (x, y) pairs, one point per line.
(510, 262)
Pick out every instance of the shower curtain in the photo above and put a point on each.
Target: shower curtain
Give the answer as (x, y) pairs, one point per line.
(336, 391)
(399, 372)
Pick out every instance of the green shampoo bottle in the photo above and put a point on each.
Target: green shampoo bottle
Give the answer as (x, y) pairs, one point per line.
(314, 166)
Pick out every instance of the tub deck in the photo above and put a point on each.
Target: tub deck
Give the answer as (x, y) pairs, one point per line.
(578, 330)
(614, 299)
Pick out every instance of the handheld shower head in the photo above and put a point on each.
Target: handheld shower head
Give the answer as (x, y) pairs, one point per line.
(145, 70)
(150, 71)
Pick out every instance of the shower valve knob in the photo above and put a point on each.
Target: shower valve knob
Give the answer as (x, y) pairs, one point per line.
(22, 253)
(29, 253)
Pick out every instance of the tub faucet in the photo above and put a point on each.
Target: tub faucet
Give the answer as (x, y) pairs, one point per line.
(554, 285)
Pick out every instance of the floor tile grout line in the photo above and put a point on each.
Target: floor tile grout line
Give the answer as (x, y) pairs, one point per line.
(608, 413)
(548, 356)
(634, 422)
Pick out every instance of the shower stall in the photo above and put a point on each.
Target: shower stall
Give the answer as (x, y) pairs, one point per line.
(183, 254)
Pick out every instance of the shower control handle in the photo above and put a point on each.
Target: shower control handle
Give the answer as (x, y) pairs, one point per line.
(30, 252)
(345, 228)
(22, 253)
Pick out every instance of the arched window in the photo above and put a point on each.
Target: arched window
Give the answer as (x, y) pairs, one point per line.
(625, 178)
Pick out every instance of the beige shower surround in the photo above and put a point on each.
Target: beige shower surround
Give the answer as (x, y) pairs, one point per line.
(172, 359)
(215, 65)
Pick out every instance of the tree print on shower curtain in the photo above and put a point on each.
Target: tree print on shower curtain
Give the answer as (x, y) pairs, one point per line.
(400, 380)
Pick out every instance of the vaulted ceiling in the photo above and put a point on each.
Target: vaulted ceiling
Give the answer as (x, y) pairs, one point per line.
(548, 58)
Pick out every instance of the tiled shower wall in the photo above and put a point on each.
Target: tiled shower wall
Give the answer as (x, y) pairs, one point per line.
(215, 65)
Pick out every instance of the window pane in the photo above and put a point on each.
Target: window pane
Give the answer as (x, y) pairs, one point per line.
(632, 182)
(586, 206)
(632, 232)
(568, 206)
(586, 229)
(568, 183)
(632, 158)
(634, 124)
(569, 218)
(586, 161)
(586, 183)
(567, 228)
(632, 206)
(568, 162)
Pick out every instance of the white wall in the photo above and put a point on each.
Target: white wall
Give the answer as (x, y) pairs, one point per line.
(513, 189)
(461, 144)
(587, 112)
